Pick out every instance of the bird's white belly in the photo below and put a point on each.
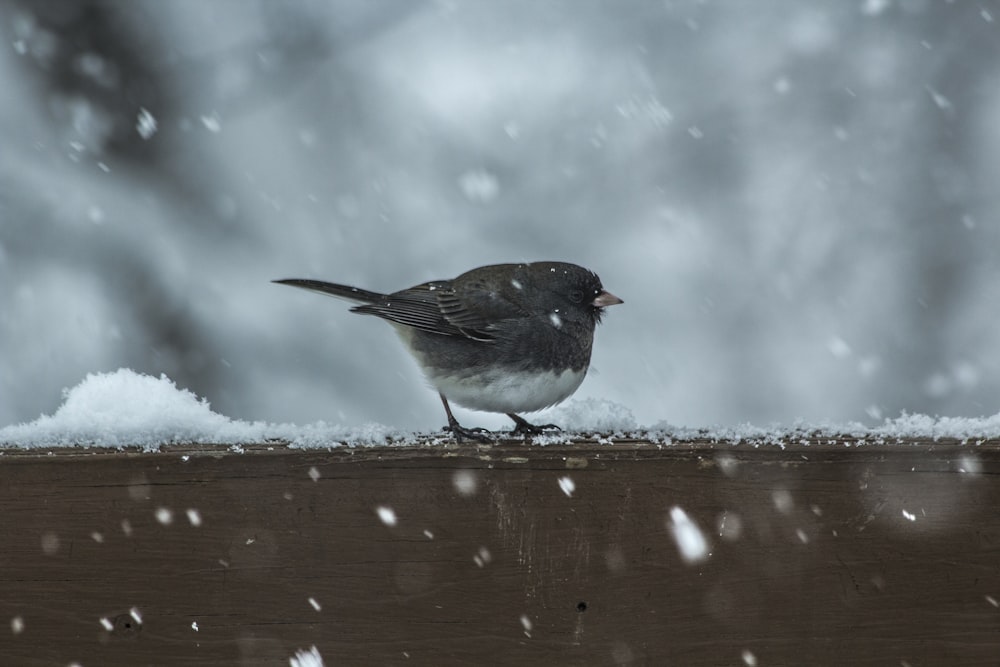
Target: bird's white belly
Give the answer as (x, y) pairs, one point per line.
(494, 390)
(515, 392)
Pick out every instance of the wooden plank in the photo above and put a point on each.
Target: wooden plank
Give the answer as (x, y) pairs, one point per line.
(820, 553)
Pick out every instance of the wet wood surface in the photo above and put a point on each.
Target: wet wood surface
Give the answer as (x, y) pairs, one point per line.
(820, 552)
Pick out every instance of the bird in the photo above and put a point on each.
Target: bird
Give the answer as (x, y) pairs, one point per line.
(506, 338)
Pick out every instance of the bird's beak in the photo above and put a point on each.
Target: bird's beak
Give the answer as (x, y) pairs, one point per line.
(605, 299)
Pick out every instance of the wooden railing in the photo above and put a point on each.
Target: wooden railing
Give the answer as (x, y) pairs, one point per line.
(807, 552)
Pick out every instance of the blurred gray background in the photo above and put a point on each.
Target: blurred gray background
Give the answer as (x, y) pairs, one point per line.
(798, 201)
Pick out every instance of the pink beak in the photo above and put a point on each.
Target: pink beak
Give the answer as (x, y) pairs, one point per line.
(605, 299)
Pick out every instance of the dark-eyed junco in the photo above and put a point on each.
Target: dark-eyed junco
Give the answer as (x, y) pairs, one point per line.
(502, 338)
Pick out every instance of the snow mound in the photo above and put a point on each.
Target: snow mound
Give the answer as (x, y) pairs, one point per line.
(593, 415)
(126, 408)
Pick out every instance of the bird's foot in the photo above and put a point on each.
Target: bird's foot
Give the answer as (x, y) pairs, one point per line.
(524, 427)
(462, 433)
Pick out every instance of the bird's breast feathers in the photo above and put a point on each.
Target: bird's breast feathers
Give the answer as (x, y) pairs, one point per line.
(507, 391)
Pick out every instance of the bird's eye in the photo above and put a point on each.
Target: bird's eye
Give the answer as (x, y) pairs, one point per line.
(576, 296)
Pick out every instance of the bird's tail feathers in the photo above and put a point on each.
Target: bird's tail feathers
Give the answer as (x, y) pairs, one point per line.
(347, 292)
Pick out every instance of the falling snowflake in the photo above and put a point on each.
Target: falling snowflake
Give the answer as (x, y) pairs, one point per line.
(145, 124)
(690, 540)
(526, 624)
(465, 482)
(310, 658)
(386, 514)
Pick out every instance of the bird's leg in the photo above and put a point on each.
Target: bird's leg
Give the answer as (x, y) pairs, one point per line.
(459, 431)
(526, 428)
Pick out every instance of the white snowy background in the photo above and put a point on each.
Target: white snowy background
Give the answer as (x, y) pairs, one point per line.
(797, 201)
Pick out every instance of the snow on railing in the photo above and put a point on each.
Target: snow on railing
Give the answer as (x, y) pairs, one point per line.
(128, 409)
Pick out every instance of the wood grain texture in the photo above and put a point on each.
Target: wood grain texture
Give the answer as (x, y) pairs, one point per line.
(820, 553)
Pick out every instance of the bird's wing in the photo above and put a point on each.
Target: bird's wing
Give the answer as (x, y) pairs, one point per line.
(419, 307)
(477, 306)
(443, 308)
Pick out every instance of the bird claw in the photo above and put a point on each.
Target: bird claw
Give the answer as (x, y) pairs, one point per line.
(461, 433)
(534, 429)
(524, 427)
